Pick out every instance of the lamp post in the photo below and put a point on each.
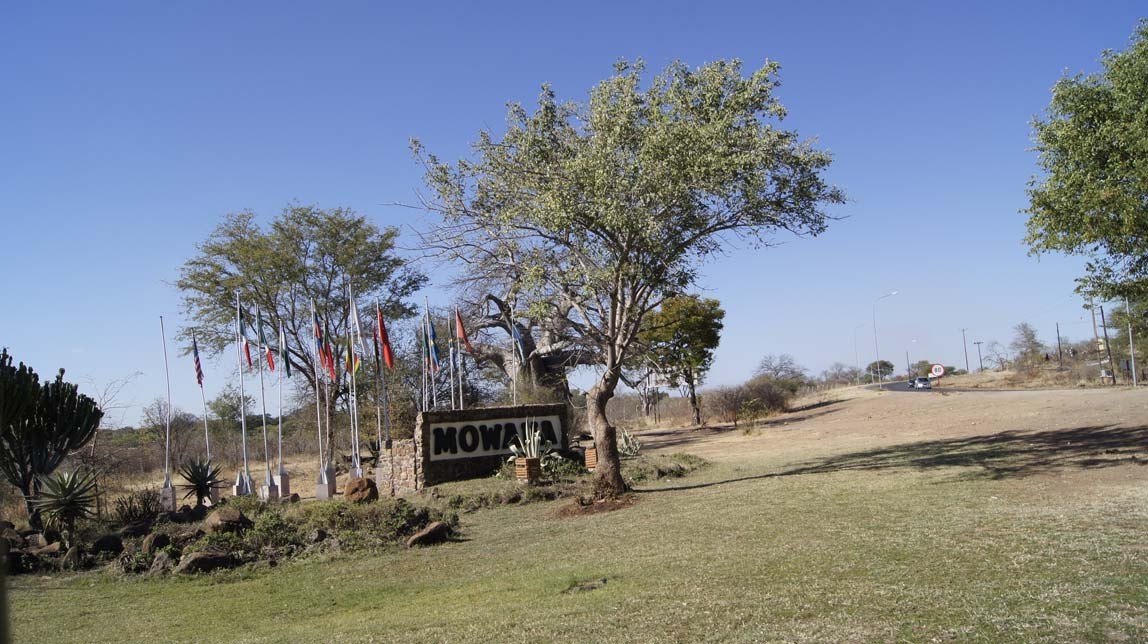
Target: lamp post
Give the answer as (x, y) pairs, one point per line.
(876, 350)
(909, 365)
(856, 355)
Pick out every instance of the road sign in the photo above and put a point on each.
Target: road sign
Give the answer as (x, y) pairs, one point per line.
(936, 371)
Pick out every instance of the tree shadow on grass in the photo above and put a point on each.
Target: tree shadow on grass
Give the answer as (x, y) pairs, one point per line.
(1004, 455)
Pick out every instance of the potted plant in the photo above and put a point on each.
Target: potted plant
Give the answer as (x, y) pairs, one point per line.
(528, 454)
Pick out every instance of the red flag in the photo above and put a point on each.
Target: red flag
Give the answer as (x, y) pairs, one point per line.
(383, 339)
(461, 332)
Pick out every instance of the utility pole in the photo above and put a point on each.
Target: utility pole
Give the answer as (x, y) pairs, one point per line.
(979, 360)
(908, 368)
(1059, 351)
(1131, 344)
(966, 345)
(1107, 345)
(1095, 334)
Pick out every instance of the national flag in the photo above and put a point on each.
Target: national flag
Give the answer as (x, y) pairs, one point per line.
(381, 338)
(243, 339)
(460, 331)
(195, 358)
(283, 351)
(517, 337)
(263, 343)
(432, 342)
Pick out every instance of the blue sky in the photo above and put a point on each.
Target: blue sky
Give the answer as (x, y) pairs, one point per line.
(128, 129)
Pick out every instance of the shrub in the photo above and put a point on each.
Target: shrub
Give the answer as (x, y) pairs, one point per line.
(202, 479)
(141, 505)
(65, 498)
(628, 446)
(651, 468)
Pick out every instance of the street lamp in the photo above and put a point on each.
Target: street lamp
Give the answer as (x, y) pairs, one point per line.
(877, 351)
(909, 365)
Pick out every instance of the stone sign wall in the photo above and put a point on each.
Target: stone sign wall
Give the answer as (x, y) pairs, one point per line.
(463, 444)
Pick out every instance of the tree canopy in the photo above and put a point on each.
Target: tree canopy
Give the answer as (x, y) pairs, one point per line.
(680, 339)
(305, 254)
(596, 212)
(1092, 199)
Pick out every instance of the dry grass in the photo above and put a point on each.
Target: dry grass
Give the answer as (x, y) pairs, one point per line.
(893, 516)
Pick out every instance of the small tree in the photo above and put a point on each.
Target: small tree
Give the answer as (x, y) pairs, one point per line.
(681, 338)
(1027, 350)
(780, 367)
(880, 370)
(39, 427)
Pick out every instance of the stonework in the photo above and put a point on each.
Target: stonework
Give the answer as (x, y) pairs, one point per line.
(408, 466)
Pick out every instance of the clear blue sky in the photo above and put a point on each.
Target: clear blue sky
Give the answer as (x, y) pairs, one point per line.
(128, 129)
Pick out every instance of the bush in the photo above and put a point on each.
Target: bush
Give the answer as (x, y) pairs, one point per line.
(369, 526)
(652, 468)
(142, 505)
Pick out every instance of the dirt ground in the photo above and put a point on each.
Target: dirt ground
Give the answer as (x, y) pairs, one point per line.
(1069, 439)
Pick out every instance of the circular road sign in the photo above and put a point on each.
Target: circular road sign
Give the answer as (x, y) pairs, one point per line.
(937, 371)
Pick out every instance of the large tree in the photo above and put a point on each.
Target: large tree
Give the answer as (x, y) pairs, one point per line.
(39, 426)
(615, 204)
(680, 339)
(1092, 198)
(306, 254)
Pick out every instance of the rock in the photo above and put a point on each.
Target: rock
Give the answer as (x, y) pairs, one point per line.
(226, 520)
(436, 532)
(206, 561)
(108, 543)
(154, 542)
(36, 540)
(7, 525)
(135, 529)
(160, 564)
(14, 538)
(294, 498)
(361, 490)
(317, 535)
(73, 559)
(52, 549)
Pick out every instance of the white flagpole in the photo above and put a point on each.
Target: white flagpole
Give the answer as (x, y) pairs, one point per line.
(318, 411)
(167, 414)
(269, 481)
(243, 481)
(202, 398)
(356, 461)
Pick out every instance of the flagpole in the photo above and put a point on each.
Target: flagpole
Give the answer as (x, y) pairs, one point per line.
(167, 493)
(202, 397)
(243, 479)
(284, 478)
(318, 411)
(430, 355)
(356, 461)
(270, 491)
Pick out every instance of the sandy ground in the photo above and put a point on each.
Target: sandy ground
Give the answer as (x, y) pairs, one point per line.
(1064, 438)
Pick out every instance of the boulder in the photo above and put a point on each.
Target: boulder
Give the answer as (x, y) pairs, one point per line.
(108, 543)
(227, 520)
(361, 490)
(15, 539)
(294, 498)
(436, 532)
(161, 563)
(154, 542)
(52, 549)
(135, 529)
(318, 535)
(73, 559)
(206, 561)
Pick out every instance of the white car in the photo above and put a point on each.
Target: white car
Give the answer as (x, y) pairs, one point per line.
(920, 383)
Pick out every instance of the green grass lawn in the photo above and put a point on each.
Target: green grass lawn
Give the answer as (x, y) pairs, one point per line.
(727, 554)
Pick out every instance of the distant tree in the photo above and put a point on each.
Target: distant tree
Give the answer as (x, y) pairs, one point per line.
(305, 254)
(1091, 199)
(615, 204)
(996, 355)
(840, 373)
(680, 339)
(726, 402)
(780, 367)
(1027, 350)
(881, 369)
(185, 427)
(39, 426)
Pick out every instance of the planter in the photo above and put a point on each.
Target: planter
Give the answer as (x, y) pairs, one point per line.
(528, 469)
(591, 458)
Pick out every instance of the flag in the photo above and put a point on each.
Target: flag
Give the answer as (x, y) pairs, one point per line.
(352, 363)
(263, 343)
(432, 340)
(518, 344)
(283, 351)
(381, 338)
(243, 339)
(460, 331)
(195, 358)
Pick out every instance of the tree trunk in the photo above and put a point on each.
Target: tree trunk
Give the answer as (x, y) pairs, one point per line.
(30, 491)
(608, 482)
(694, 399)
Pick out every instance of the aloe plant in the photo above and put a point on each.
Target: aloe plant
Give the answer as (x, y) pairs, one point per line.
(202, 478)
(529, 443)
(67, 497)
